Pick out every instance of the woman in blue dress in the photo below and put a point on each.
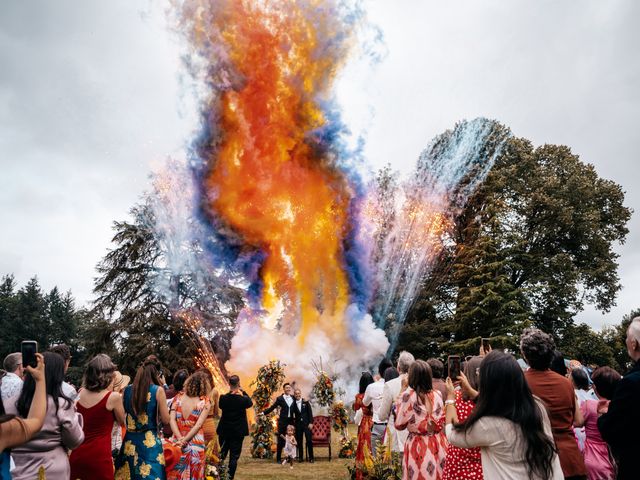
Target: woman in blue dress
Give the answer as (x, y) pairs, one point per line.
(141, 455)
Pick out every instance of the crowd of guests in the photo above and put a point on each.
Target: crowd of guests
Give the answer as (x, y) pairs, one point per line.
(534, 418)
(110, 428)
(500, 419)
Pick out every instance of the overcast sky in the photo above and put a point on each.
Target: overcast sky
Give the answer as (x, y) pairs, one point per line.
(91, 100)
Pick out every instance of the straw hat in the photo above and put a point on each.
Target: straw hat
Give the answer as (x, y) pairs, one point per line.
(120, 381)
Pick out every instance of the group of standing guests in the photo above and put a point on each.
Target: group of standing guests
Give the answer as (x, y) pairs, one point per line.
(110, 429)
(499, 421)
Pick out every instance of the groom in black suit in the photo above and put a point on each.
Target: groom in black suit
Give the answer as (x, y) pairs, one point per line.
(304, 425)
(288, 415)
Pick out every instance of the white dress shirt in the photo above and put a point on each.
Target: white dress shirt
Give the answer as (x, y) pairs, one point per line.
(11, 386)
(389, 396)
(373, 397)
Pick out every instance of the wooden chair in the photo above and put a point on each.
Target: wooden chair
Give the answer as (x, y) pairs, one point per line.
(321, 434)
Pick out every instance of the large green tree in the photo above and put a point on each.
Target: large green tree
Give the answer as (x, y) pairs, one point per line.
(534, 243)
(142, 299)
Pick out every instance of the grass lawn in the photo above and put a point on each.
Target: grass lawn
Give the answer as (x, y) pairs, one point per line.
(253, 469)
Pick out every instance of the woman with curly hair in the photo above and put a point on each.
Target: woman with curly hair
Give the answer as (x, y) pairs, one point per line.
(557, 394)
(99, 407)
(189, 411)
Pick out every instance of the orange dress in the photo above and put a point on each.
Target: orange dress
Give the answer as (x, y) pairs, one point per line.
(364, 433)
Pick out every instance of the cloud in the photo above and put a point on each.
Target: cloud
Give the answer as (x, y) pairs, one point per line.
(90, 98)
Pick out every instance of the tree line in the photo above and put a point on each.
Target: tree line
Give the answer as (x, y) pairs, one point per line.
(533, 245)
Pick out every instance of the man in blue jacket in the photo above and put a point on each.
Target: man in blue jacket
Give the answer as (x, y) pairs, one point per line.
(619, 427)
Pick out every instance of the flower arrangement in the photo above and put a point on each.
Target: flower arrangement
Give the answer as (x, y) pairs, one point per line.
(347, 447)
(340, 417)
(323, 390)
(385, 465)
(269, 380)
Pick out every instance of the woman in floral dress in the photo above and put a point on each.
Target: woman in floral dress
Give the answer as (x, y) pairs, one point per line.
(141, 455)
(189, 411)
(420, 410)
(366, 422)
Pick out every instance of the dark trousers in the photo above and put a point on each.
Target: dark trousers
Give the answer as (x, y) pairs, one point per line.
(306, 432)
(282, 430)
(231, 444)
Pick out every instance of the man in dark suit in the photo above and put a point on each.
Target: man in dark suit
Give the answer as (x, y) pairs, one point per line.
(619, 427)
(288, 415)
(304, 424)
(233, 425)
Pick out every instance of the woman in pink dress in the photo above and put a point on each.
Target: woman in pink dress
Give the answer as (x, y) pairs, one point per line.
(420, 410)
(596, 452)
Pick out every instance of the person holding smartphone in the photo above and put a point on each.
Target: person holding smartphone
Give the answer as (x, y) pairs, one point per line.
(61, 431)
(233, 425)
(15, 431)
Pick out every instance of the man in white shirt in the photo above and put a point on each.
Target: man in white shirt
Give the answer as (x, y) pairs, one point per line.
(12, 381)
(288, 415)
(392, 390)
(373, 397)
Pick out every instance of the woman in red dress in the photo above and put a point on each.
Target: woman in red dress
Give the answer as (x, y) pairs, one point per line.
(99, 406)
(366, 422)
(465, 463)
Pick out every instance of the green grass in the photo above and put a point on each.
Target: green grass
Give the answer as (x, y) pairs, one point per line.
(254, 469)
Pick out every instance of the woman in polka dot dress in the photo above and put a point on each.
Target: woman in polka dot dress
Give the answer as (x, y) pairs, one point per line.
(464, 463)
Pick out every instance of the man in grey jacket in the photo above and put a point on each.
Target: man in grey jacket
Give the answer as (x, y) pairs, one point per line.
(392, 389)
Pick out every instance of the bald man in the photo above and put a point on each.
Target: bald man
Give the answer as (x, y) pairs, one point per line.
(620, 426)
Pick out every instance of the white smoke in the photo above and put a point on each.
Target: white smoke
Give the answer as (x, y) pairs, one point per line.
(338, 354)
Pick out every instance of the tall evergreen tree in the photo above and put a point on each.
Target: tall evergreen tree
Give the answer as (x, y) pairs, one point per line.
(31, 315)
(10, 338)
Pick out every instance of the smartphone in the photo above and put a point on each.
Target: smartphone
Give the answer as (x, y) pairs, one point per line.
(29, 348)
(486, 345)
(453, 362)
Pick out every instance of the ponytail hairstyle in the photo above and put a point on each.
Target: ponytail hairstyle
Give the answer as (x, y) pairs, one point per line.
(148, 374)
(504, 393)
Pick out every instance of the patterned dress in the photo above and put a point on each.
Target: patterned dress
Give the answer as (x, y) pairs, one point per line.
(463, 463)
(364, 434)
(141, 455)
(192, 461)
(424, 452)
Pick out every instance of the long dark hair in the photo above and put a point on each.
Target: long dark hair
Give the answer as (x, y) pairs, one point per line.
(148, 373)
(54, 376)
(420, 378)
(365, 380)
(505, 393)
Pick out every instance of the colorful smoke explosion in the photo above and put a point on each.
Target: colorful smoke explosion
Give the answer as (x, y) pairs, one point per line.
(275, 199)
